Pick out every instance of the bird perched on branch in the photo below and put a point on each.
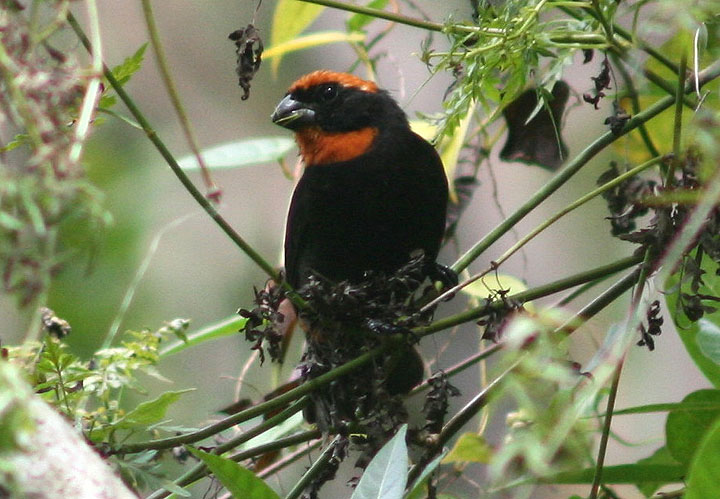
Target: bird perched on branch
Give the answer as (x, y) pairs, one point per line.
(373, 193)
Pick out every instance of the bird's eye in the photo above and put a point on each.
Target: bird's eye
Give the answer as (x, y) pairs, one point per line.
(328, 92)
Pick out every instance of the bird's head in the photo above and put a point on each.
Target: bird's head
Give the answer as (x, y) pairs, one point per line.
(336, 116)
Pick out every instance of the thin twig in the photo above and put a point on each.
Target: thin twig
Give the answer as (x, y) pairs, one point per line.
(213, 192)
(573, 167)
(172, 162)
(314, 470)
(200, 469)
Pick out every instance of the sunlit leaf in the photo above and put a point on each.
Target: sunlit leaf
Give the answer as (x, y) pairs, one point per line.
(309, 41)
(386, 475)
(289, 20)
(241, 153)
(240, 482)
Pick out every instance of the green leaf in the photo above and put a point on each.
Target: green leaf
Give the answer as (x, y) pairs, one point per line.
(703, 475)
(227, 327)
(418, 490)
(470, 447)
(309, 41)
(386, 475)
(124, 71)
(152, 411)
(623, 473)
(241, 153)
(359, 21)
(660, 456)
(689, 331)
(684, 429)
(679, 406)
(289, 20)
(240, 482)
(450, 148)
(708, 339)
(9, 222)
(17, 141)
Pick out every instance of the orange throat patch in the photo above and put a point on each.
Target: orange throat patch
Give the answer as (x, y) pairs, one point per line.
(319, 148)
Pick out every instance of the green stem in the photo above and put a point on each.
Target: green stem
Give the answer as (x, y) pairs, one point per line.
(461, 366)
(408, 21)
(573, 167)
(627, 36)
(200, 470)
(530, 294)
(600, 302)
(604, 22)
(460, 419)
(288, 459)
(280, 443)
(170, 159)
(576, 204)
(634, 101)
(314, 470)
(677, 125)
(175, 96)
(660, 82)
(260, 409)
(612, 397)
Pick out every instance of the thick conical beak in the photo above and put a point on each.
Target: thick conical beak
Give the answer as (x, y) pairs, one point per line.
(293, 114)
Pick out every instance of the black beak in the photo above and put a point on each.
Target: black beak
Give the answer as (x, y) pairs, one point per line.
(292, 114)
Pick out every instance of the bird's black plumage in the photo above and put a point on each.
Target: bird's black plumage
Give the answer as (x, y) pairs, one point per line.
(372, 211)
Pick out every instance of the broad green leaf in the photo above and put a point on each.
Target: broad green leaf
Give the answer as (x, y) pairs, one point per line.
(359, 21)
(240, 482)
(310, 41)
(418, 490)
(704, 470)
(124, 71)
(708, 339)
(289, 20)
(226, 327)
(470, 447)
(386, 475)
(151, 411)
(241, 153)
(660, 456)
(623, 473)
(689, 331)
(684, 429)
